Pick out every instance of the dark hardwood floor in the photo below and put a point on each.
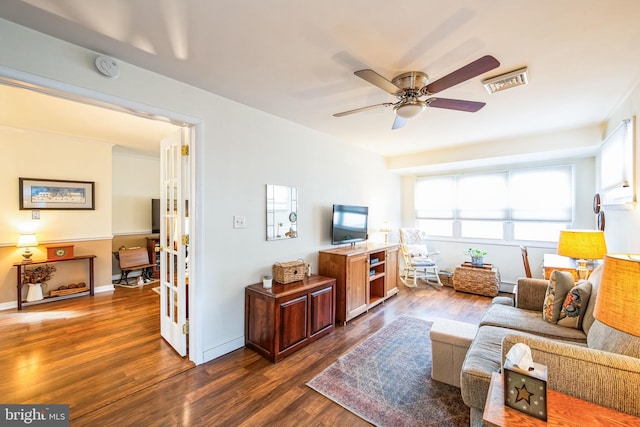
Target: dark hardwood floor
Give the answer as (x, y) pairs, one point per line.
(86, 352)
(103, 355)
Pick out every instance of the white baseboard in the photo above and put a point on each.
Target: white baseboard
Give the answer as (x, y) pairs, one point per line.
(223, 349)
(507, 287)
(105, 288)
(8, 305)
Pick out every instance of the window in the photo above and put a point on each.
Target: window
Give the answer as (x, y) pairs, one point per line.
(616, 165)
(522, 204)
(436, 205)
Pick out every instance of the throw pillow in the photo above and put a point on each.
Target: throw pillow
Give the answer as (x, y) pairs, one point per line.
(416, 251)
(560, 283)
(575, 305)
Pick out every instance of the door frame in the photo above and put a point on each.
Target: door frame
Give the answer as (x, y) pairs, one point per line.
(25, 80)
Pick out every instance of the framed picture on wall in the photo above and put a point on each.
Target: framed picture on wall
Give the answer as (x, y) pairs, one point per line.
(37, 193)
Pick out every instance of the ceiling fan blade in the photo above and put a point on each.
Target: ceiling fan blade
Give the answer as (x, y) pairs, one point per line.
(455, 104)
(377, 80)
(398, 123)
(469, 71)
(358, 110)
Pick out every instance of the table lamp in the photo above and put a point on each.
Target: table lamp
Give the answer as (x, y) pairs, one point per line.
(386, 229)
(582, 245)
(27, 241)
(618, 300)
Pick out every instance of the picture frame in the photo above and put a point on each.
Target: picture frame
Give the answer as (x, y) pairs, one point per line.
(56, 194)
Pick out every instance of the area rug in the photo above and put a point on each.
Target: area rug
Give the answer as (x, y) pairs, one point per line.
(386, 380)
(134, 284)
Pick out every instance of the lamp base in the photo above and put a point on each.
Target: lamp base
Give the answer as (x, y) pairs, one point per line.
(583, 273)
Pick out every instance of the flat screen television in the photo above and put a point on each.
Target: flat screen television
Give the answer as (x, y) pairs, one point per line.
(349, 224)
(155, 215)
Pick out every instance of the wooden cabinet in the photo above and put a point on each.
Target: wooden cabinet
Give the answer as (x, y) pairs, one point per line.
(355, 295)
(153, 247)
(391, 281)
(285, 318)
(365, 276)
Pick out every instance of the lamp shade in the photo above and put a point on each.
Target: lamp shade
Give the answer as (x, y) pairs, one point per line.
(618, 300)
(27, 241)
(582, 244)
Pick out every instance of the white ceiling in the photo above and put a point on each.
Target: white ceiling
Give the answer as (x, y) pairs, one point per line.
(130, 134)
(295, 59)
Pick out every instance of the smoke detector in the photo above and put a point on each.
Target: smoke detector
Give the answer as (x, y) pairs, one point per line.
(506, 81)
(108, 66)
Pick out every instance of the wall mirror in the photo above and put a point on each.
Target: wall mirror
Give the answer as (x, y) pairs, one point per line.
(282, 212)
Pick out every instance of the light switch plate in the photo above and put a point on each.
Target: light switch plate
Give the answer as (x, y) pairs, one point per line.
(239, 221)
(35, 214)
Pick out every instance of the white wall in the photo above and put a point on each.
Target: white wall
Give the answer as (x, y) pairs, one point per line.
(45, 155)
(136, 180)
(241, 151)
(52, 156)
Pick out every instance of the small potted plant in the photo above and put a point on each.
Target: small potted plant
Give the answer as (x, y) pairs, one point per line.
(40, 274)
(477, 256)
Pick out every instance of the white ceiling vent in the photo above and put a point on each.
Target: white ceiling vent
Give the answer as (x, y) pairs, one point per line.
(506, 81)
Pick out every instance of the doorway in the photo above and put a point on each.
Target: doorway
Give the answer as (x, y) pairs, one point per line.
(126, 109)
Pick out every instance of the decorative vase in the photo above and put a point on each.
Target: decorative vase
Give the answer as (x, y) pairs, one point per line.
(477, 261)
(35, 292)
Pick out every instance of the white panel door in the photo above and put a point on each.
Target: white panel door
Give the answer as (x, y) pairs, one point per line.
(174, 189)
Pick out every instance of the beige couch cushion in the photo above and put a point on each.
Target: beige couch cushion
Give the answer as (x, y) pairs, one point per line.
(529, 321)
(603, 337)
(594, 278)
(485, 357)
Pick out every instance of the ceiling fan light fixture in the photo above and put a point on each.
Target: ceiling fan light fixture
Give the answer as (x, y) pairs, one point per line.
(506, 81)
(410, 109)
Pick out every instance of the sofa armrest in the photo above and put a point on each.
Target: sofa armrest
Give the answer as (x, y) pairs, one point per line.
(604, 378)
(530, 293)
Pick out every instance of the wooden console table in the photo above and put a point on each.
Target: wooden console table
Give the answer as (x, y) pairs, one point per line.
(562, 410)
(553, 262)
(287, 317)
(22, 265)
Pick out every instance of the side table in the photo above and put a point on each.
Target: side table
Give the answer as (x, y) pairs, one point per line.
(562, 410)
(483, 280)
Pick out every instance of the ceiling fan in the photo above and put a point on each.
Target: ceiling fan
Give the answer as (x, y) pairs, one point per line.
(411, 86)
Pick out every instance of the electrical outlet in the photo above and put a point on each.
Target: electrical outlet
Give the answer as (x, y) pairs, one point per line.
(35, 214)
(239, 221)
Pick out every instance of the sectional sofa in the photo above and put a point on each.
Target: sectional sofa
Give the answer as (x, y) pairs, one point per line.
(590, 361)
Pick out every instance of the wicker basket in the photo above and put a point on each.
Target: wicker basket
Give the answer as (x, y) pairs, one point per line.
(446, 277)
(70, 291)
(480, 281)
(288, 272)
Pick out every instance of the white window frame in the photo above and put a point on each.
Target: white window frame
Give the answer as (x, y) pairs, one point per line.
(425, 213)
(617, 165)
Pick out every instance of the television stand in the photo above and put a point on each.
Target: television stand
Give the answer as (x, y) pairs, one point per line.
(366, 276)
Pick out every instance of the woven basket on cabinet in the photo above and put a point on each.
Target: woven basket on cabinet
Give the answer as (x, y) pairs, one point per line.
(288, 272)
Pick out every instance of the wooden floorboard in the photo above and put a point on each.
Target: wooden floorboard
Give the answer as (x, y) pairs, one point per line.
(86, 352)
(103, 355)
